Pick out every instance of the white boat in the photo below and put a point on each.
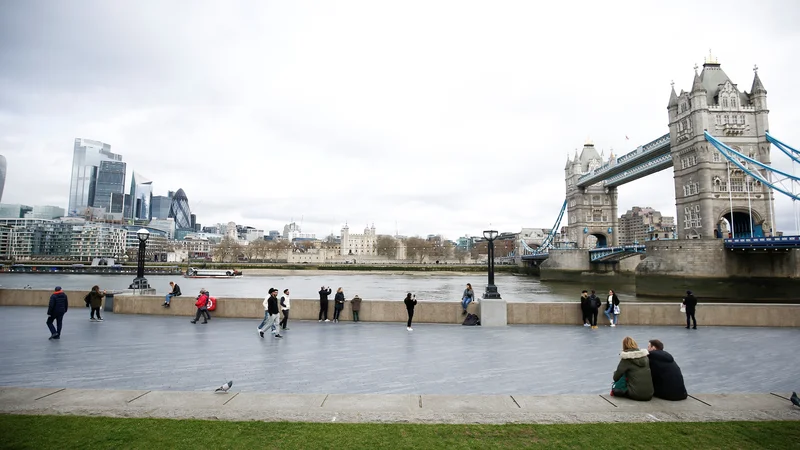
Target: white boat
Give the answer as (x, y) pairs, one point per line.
(212, 273)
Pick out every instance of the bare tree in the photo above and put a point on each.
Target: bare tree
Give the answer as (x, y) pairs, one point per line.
(418, 248)
(387, 246)
(461, 254)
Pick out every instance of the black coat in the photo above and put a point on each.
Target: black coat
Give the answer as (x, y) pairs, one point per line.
(584, 303)
(594, 302)
(58, 304)
(410, 303)
(691, 303)
(323, 294)
(176, 291)
(667, 376)
(339, 300)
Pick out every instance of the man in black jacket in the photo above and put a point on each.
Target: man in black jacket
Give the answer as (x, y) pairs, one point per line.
(323, 303)
(667, 376)
(690, 302)
(55, 311)
(176, 292)
(594, 308)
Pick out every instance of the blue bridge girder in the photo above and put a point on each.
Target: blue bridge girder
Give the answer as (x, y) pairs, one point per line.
(763, 243)
(645, 160)
(608, 254)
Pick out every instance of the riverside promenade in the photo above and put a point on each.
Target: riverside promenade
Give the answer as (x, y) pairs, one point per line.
(164, 366)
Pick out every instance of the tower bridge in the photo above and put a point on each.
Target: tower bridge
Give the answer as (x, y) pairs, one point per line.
(718, 147)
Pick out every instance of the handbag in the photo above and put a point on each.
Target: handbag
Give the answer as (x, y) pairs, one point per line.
(616, 309)
(683, 308)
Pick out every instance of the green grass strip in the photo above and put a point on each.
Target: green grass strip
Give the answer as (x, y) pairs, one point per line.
(86, 433)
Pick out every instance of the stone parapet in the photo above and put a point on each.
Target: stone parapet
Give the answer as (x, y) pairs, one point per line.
(553, 313)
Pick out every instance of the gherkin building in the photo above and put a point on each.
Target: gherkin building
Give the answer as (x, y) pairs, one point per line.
(179, 210)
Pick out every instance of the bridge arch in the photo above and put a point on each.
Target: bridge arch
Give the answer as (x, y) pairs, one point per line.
(738, 224)
(596, 239)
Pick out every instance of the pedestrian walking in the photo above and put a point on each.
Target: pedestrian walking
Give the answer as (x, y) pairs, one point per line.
(467, 298)
(209, 303)
(285, 308)
(323, 303)
(175, 292)
(594, 308)
(95, 302)
(56, 309)
(356, 304)
(202, 307)
(612, 308)
(585, 308)
(338, 304)
(271, 314)
(411, 302)
(690, 303)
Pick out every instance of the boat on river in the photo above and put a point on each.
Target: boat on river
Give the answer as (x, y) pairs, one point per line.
(212, 273)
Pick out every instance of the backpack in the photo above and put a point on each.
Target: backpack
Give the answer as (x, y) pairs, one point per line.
(471, 320)
(211, 303)
(596, 303)
(88, 299)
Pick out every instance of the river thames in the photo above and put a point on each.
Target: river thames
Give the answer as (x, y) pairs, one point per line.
(368, 285)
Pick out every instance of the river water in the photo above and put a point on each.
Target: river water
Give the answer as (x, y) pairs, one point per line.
(368, 285)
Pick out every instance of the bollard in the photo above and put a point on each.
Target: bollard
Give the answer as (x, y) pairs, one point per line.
(109, 303)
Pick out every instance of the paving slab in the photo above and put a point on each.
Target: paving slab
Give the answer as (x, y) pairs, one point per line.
(181, 400)
(283, 402)
(562, 403)
(744, 401)
(372, 403)
(469, 403)
(13, 396)
(656, 404)
(92, 397)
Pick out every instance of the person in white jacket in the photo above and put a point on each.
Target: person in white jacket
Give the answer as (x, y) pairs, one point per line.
(285, 308)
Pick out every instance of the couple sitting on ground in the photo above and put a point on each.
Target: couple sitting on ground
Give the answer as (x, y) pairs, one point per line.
(644, 374)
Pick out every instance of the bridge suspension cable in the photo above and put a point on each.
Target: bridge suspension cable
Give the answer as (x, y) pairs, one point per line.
(547, 243)
(790, 152)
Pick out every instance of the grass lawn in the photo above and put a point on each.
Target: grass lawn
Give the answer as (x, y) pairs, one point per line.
(85, 433)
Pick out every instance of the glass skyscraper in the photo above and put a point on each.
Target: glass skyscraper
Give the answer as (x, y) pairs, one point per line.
(179, 210)
(86, 158)
(161, 206)
(2, 175)
(110, 180)
(141, 197)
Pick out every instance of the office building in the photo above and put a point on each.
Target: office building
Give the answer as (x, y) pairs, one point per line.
(45, 212)
(636, 225)
(161, 205)
(110, 181)
(2, 175)
(86, 159)
(180, 211)
(141, 197)
(14, 211)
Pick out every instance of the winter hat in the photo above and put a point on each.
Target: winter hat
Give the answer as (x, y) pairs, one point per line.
(58, 288)
(688, 292)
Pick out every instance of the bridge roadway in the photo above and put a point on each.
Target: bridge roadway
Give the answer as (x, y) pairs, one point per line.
(167, 353)
(645, 160)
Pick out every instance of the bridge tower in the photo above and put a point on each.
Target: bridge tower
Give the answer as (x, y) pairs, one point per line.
(591, 212)
(712, 196)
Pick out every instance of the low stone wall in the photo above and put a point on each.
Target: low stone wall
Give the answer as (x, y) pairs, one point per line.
(711, 314)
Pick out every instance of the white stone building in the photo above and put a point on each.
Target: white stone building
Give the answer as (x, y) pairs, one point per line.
(359, 244)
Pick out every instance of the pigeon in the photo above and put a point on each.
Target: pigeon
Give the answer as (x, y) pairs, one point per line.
(795, 399)
(224, 388)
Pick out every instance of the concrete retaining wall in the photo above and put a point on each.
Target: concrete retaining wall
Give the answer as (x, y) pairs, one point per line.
(716, 314)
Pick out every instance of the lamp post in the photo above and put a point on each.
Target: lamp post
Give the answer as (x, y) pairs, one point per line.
(491, 289)
(140, 282)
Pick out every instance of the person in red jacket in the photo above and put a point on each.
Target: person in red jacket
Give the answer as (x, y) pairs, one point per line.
(201, 304)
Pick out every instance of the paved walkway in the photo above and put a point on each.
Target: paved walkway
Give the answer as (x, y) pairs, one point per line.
(394, 408)
(134, 352)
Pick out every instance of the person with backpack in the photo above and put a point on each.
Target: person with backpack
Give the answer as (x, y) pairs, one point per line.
(176, 292)
(285, 309)
(338, 304)
(612, 308)
(594, 308)
(585, 308)
(202, 307)
(410, 302)
(209, 304)
(323, 303)
(94, 299)
(690, 303)
(56, 309)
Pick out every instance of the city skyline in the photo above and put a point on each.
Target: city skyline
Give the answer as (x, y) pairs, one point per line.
(362, 114)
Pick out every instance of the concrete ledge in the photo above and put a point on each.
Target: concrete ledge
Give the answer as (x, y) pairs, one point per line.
(553, 313)
(393, 408)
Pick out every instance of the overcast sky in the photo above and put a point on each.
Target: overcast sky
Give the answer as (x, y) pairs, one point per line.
(441, 117)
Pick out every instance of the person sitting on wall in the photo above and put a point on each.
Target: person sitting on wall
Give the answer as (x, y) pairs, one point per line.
(176, 291)
(667, 376)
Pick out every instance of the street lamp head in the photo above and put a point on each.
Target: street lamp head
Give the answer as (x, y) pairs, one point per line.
(490, 234)
(143, 234)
